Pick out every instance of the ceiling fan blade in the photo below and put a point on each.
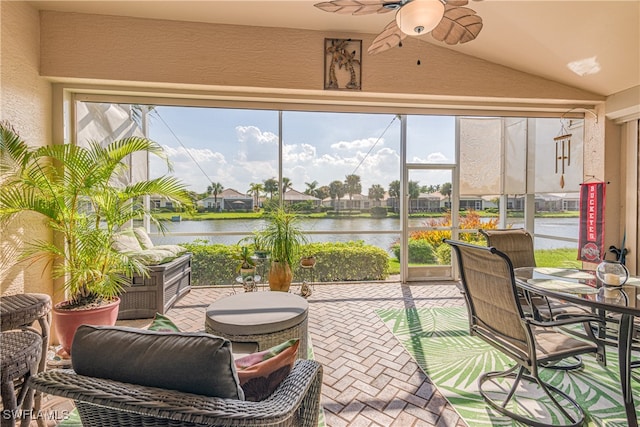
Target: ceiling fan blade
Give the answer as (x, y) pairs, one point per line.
(390, 37)
(457, 3)
(458, 25)
(354, 7)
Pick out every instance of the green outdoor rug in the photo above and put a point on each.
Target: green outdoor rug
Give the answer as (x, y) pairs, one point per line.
(74, 418)
(438, 339)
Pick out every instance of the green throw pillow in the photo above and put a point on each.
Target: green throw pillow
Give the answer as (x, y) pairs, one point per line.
(162, 323)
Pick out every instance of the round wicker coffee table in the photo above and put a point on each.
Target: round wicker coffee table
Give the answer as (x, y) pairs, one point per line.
(265, 319)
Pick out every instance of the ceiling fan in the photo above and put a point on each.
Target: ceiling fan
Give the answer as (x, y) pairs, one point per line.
(447, 20)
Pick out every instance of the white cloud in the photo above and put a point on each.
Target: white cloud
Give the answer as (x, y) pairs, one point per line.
(356, 144)
(432, 158)
(252, 134)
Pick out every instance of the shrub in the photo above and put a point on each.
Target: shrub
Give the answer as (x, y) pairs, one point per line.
(420, 252)
(215, 264)
(378, 212)
(345, 261)
(443, 253)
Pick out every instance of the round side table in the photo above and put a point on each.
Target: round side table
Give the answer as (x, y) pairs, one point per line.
(264, 318)
(21, 311)
(21, 352)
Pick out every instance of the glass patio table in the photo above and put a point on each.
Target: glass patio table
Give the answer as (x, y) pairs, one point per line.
(581, 287)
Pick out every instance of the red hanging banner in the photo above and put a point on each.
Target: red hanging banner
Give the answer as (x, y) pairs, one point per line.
(590, 245)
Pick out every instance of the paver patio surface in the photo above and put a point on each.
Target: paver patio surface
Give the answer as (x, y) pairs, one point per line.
(369, 379)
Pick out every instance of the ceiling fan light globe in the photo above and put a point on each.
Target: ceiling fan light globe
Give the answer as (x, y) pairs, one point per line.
(419, 16)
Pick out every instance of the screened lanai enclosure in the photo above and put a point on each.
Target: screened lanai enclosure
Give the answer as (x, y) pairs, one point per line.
(389, 180)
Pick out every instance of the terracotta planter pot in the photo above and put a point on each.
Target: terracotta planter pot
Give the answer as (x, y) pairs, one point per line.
(308, 261)
(66, 322)
(280, 276)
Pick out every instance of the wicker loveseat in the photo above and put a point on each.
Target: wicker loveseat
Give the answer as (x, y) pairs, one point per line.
(197, 362)
(168, 279)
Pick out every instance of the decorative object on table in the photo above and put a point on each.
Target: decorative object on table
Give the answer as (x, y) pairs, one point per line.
(283, 238)
(450, 23)
(342, 57)
(591, 233)
(101, 201)
(612, 275)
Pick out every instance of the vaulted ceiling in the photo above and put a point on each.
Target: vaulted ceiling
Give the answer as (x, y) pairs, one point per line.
(540, 37)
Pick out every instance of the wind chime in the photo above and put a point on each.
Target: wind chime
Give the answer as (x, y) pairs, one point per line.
(563, 152)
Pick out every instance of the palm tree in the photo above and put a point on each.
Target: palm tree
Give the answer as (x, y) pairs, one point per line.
(445, 190)
(271, 186)
(216, 188)
(286, 185)
(255, 189)
(311, 188)
(352, 186)
(376, 192)
(336, 191)
(72, 188)
(322, 192)
(414, 192)
(394, 191)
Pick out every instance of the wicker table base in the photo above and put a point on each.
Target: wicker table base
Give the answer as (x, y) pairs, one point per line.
(21, 352)
(21, 311)
(263, 318)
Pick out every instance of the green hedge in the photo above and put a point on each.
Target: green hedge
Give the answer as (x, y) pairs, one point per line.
(346, 261)
(215, 264)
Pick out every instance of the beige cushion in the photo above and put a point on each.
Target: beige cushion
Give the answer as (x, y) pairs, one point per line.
(143, 238)
(126, 242)
(192, 362)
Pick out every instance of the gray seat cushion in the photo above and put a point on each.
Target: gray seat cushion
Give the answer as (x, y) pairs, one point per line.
(254, 313)
(195, 362)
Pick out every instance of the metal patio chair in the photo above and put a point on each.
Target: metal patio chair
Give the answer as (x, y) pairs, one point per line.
(497, 317)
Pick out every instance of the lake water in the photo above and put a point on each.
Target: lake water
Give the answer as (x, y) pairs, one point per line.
(380, 232)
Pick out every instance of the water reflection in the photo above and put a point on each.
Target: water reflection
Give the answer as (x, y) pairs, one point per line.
(382, 232)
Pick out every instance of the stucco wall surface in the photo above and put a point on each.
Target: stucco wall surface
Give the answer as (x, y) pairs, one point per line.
(25, 103)
(84, 46)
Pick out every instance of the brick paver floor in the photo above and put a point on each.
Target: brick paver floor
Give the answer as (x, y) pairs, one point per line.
(369, 379)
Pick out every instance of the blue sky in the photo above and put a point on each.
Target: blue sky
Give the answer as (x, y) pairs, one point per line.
(237, 147)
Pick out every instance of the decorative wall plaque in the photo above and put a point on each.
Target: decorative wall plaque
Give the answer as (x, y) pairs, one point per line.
(342, 64)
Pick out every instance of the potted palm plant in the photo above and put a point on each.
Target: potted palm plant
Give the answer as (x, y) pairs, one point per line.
(80, 193)
(283, 238)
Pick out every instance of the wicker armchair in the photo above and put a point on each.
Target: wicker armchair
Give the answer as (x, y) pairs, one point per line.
(103, 402)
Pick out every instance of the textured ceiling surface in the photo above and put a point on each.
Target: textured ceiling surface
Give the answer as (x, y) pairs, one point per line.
(592, 45)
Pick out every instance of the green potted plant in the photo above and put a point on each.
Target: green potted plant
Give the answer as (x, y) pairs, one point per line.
(283, 238)
(79, 192)
(246, 267)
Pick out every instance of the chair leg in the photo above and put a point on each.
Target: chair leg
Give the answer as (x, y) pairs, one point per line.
(563, 364)
(571, 420)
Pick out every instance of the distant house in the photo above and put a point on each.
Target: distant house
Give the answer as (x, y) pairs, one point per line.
(357, 202)
(292, 196)
(228, 200)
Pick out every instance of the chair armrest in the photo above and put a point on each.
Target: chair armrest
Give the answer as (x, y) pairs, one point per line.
(295, 402)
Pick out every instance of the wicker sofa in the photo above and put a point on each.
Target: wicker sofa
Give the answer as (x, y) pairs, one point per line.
(127, 377)
(168, 280)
